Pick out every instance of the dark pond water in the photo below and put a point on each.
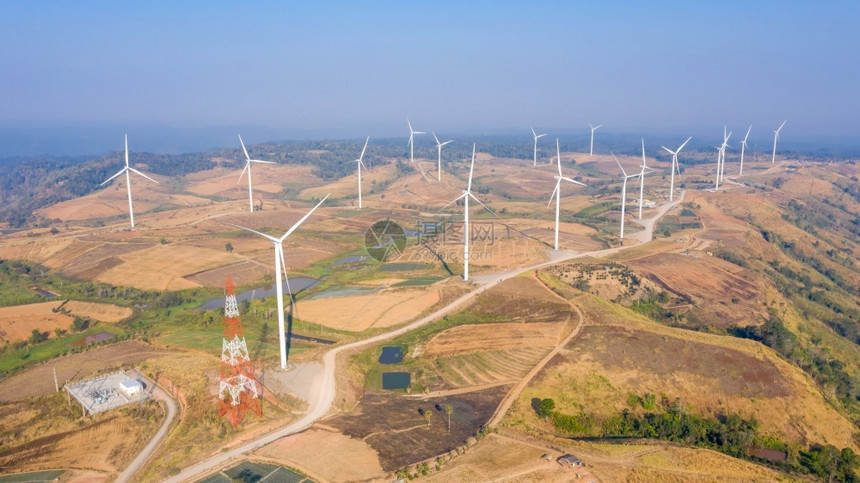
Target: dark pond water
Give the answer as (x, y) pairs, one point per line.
(44, 293)
(350, 259)
(391, 355)
(395, 380)
(296, 284)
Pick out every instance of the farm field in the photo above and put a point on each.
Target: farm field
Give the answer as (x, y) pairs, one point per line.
(327, 453)
(357, 313)
(17, 322)
(466, 339)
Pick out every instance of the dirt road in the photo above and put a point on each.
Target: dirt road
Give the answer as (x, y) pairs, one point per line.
(323, 394)
(144, 455)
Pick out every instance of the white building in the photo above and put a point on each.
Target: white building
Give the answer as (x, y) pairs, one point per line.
(130, 387)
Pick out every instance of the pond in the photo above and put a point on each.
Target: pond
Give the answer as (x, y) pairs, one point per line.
(91, 339)
(391, 355)
(350, 259)
(395, 380)
(44, 293)
(296, 284)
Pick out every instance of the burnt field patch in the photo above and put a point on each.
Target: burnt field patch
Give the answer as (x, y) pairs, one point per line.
(406, 430)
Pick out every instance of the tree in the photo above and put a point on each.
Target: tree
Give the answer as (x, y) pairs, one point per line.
(229, 247)
(547, 406)
(37, 336)
(449, 409)
(80, 324)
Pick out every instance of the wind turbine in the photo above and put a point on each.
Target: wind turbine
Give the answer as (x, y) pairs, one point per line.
(591, 149)
(280, 264)
(467, 193)
(412, 141)
(247, 168)
(125, 170)
(743, 148)
(536, 136)
(675, 166)
(358, 165)
(642, 178)
(721, 158)
(556, 192)
(775, 138)
(439, 160)
(623, 193)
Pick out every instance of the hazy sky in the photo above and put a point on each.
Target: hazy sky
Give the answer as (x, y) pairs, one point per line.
(329, 69)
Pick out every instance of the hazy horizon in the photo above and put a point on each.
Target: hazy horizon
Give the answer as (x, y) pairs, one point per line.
(77, 76)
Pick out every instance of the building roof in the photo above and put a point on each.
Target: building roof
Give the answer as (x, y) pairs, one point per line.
(568, 459)
(128, 384)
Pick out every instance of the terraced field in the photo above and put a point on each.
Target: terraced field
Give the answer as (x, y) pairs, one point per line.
(492, 367)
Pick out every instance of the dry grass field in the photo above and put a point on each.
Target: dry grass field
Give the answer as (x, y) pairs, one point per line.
(619, 352)
(98, 311)
(466, 339)
(39, 380)
(163, 267)
(325, 453)
(357, 313)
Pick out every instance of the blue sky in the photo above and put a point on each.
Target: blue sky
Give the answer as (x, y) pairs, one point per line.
(332, 69)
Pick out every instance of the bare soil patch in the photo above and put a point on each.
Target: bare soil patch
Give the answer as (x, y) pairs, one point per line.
(404, 436)
(357, 313)
(98, 311)
(163, 267)
(521, 299)
(17, 322)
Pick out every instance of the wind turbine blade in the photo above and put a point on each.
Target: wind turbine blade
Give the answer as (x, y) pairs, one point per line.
(126, 150)
(437, 139)
(682, 145)
(292, 228)
(619, 165)
(541, 135)
(668, 150)
(781, 125)
(269, 237)
(471, 170)
(572, 180)
(114, 176)
(643, 152)
(748, 133)
(482, 204)
(409, 124)
(364, 149)
(452, 202)
(261, 161)
(592, 127)
(558, 153)
(554, 191)
(598, 127)
(145, 176)
(447, 142)
(420, 132)
(243, 147)
(533, 131)
(247, 163)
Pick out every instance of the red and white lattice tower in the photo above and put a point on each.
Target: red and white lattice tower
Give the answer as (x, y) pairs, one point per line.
(238, 391)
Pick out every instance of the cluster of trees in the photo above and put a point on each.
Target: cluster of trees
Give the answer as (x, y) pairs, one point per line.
(731, 434)
(827, 371)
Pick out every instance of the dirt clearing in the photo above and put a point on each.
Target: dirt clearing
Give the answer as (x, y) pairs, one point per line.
(466, 339)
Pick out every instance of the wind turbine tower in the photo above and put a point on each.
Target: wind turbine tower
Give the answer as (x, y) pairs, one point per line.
(280, 264)
(556, 192)
(439, 158)
(412, 134)
(467, 193)
(743, 148)
(358, 165)
(675, 166)
(536, 136)
(593, 128)
(623, 193)
(125, 170)
(247, 168)
(642, 178)
(775, 139)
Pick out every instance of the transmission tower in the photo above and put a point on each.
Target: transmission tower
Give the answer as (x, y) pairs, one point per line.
(238, 391)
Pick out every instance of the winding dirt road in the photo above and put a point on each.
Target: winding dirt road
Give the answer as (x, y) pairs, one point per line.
(323, 396)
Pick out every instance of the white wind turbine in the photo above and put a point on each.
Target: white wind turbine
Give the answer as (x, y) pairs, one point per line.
(743, 148)
(412, 141)
(642, 178)
(280, 264)
(775, 139)
(125, 170)
(467, 193)
(536, 136)
(593, 128)
(358, 165)
(247, 168)
(675, 165)
(623, 193)
(439, 159)
(721, 158)
(556, 192)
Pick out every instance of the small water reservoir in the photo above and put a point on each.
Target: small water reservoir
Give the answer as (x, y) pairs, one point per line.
(395, 380)
(391, 355)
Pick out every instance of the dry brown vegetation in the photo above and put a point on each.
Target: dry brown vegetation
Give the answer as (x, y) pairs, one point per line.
(357, 313)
